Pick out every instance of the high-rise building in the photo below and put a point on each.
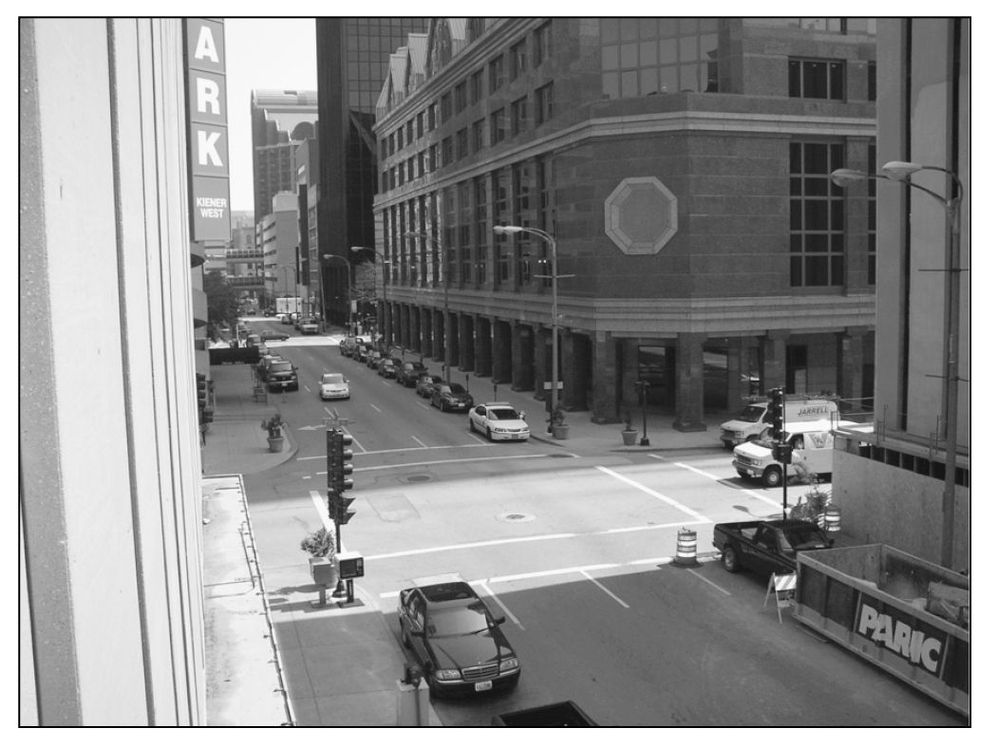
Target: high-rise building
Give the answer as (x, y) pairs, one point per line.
(680, 167)
(899, 480)
(281, 120)
(352, 59)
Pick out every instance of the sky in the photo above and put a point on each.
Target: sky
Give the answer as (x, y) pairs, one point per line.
(261, 53)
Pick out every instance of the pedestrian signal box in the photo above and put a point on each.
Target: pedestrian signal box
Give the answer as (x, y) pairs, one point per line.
(350, 565)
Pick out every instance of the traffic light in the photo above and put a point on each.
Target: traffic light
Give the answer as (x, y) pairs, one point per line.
(338, 458)
(202, 381)
(782, 453)
(341, 512)
(774, 413)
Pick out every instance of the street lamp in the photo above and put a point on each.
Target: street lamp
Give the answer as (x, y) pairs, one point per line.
(346, 263)
(510, 230)
(446, 280)
(902, 171)
(382, 318)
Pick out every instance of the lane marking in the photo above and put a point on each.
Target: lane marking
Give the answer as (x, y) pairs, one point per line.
(708, 581)
(444, 461)
(645, 527)
(374, 406)
(323, 510)
(612, 595)
(727, 482)
(527, 576)
(505, 609)
(406, 448)
(468, 545)
(419, 442)
(655, 494)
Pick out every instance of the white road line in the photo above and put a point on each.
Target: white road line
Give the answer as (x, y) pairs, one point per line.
(306, 388)
(651, 561)
(443, 461)
(407, 448)
(468, 545)
(645, 527)
(334, 414)
(708, 581)
(727, 481)
(612, 595)
(374, 406)
(655, 494)
(505, 609)
(323, 510)
(419, 442)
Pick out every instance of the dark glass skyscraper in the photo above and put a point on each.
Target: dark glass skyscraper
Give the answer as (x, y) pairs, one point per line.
(352, 56)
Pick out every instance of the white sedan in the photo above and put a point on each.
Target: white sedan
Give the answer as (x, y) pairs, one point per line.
(499, 422)
(334, 386)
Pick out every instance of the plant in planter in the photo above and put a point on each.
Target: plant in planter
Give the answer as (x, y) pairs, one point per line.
(320, 546)
(630, 433)
(275, 433)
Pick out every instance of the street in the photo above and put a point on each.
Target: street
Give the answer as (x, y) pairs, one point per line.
(572, 548)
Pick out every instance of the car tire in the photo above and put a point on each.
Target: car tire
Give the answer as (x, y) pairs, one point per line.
(471, 425)
(772, 477)
(743, 474)
(730, 559)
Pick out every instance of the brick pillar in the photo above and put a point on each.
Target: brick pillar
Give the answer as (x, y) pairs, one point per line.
(689, 382)
(851, 366)
(521, 357)
(483, 346)
(605, 375)
(774, 359)
(466, 342)
(501, 364)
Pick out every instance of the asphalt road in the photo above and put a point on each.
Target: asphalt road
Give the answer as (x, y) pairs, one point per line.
(571, 548)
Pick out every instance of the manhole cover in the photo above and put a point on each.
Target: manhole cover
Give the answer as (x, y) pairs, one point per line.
(418, 478)
(516, 517)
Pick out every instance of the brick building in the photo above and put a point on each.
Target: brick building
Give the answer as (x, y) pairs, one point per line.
(681, 164)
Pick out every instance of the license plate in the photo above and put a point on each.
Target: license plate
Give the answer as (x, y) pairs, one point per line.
(480, 686)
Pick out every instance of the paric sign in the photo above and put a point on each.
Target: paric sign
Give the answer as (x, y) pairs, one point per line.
(208, 138)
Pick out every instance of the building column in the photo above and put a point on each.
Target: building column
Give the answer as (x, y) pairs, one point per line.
(483, 346)
(851, 366)
(437, 343)
(739, 367)
(521, 357)
(574, 368)
(689, 382)
(542, 361)
(426, 338)
(605, 374)
(465, 342)
(501, 368)
(774, 359)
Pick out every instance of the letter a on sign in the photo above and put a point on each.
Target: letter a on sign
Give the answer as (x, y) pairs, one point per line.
(206, 50)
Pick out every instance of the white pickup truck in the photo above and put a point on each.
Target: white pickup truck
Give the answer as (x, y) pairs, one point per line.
(813, 446)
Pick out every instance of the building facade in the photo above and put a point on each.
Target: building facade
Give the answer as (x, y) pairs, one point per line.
(281, 120)
(680, 165)
(892, 478)
(111, 613)
(352, 61)
(279, 243)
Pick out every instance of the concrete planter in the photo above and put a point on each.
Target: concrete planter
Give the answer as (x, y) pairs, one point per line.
(560, 432)
(629, 437)
(276, 444)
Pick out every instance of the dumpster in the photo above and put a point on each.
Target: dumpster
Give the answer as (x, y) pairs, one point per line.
(902, 613)
(566, 713)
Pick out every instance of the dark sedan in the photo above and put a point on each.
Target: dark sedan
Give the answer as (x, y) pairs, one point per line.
(451, 397)
(408, 374)
(456, 639)
(268, 335)
(425, 383)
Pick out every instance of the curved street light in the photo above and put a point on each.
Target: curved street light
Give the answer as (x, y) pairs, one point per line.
(509, 231)
(446, 281)
(902, 171)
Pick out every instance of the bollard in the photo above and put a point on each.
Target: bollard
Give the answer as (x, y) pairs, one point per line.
(833, 517)
(686, 547)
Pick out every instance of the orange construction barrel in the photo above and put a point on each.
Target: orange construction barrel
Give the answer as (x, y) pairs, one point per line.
(833, 517)
(686, 547)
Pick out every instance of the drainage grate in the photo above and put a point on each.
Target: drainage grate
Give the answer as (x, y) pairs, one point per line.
(514, 517)
(418, 478)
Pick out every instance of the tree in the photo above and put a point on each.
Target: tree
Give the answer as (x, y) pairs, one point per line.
(223, 302)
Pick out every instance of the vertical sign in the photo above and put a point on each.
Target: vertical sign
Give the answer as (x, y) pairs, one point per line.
(208, 141)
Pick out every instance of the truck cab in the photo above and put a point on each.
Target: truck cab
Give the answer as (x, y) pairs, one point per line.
(813, 447)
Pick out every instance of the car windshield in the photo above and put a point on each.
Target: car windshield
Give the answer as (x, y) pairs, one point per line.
(803, 539)
(505, 413)
(751, 413)
(280, 366)
(457, 621)
(457, 389)
(332, 378)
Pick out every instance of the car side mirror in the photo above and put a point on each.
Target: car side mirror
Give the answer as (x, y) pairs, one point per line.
(523, 415)
(499, 620)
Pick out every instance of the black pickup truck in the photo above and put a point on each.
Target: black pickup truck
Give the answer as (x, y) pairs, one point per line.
(767, 546)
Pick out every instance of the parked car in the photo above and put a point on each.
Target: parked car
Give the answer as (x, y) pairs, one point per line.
(268, 335)
(285, 318)
(281, 375)
(261, 367)
(334, 386)
(425, 384)
(349, 344)
(386, 367)
(456, 638)
(408, 373)
(361, 352)
(451, 397)
(309, 326)
(373, 359)
(498, 421)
